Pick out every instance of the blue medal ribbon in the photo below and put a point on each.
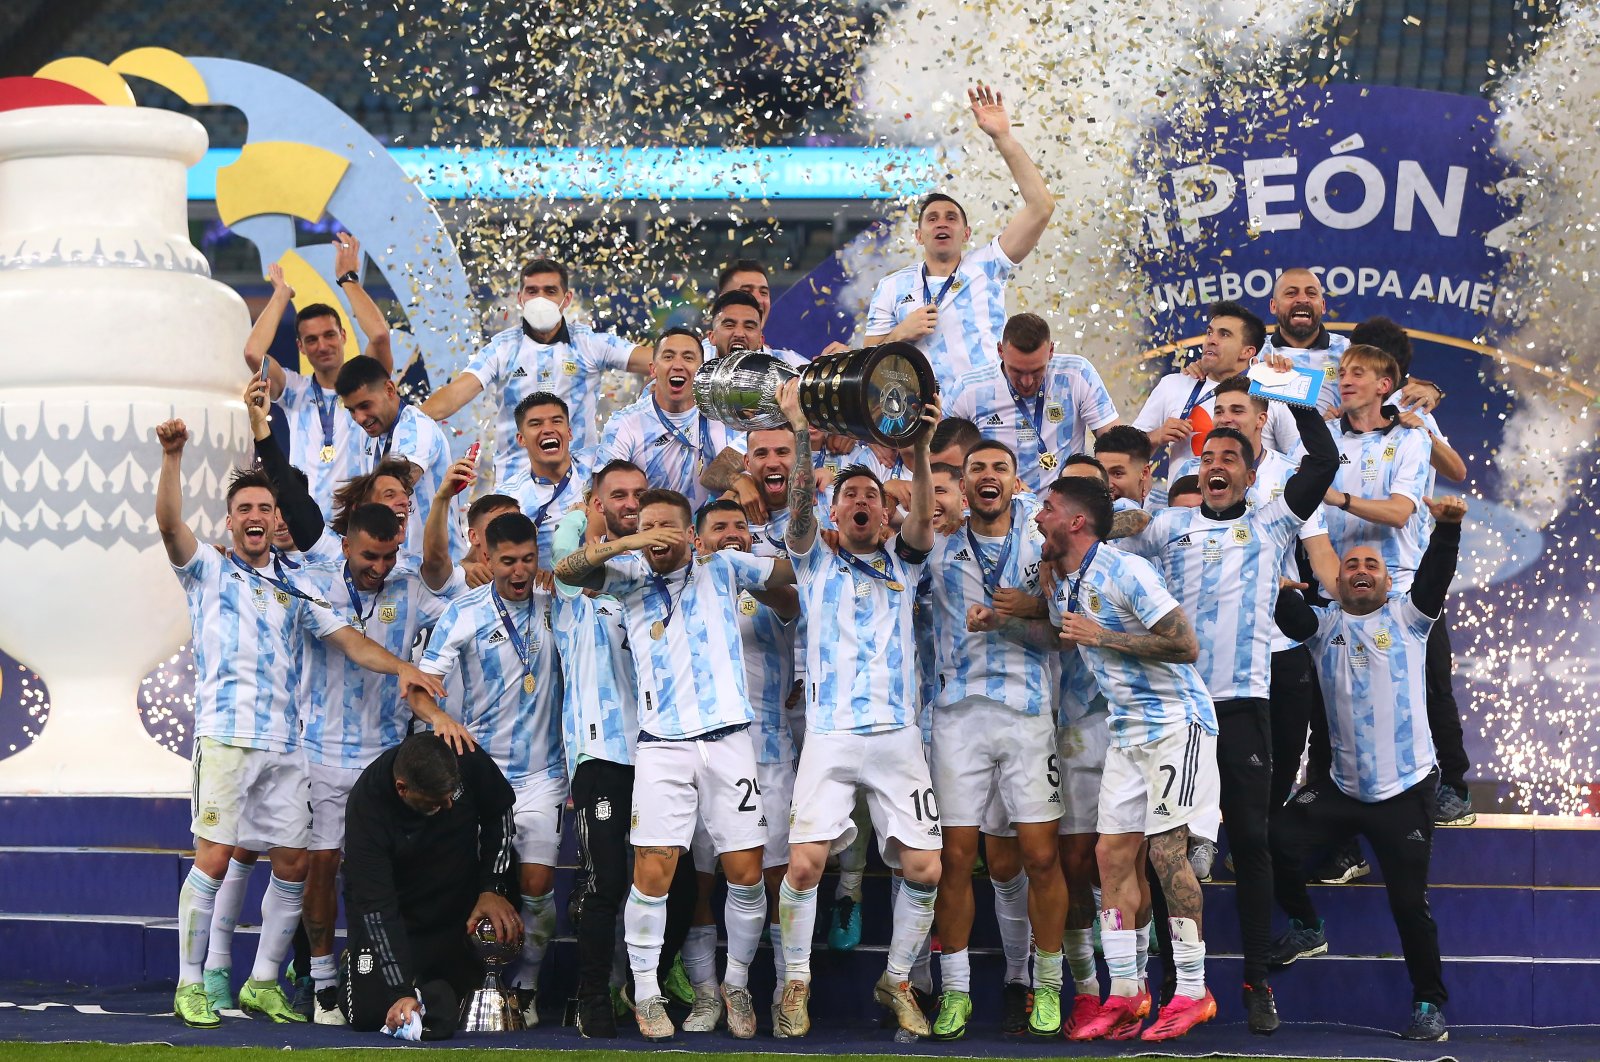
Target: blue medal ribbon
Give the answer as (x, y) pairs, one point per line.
(281, 583)
(521, 641)
(706, 456)
(561, 485)
(1072, 594)
(1035, 419)
(927, 294)
(355, 600)
(992, 573)
(325, 414)
(888, 575)
(1195, 398)
(661, 588)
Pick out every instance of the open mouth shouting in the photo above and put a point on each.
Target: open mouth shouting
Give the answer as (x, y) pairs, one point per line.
(988, 490)
(1301, 317)
(776, 483)
(861, 518)
(677, 380)
(255, 535)
(1362, 581)
(549, 445)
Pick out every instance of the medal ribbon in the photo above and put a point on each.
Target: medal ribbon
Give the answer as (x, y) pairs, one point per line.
(1035, 420)
(706, 456)
(280, 583)
(888, 575)
(355, 600)
(521, 641)
(992, 573)
(662, 589)
(1195, 398)
(538, 516)
(1072, 595)
(927, 294)
(325, 414)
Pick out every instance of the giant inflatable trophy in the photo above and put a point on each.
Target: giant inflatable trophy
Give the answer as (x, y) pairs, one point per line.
(876, 394)
(109, 324)
(489, 1009)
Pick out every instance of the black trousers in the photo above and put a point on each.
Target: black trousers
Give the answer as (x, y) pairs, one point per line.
(1296, 700)
(447, 972)
(602, 801)
(1244, 766)
(1444, 715)
(1400, 831)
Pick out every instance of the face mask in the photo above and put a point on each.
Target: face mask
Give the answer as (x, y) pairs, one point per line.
(541, 314)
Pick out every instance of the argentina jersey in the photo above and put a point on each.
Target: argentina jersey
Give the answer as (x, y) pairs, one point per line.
(1149, 699)
(546, 501)
(986, 663)
(768, 644)
(599, 711)
(1373, 679)
(518, 726)
(672, 448)
(245, 635)
(860, 644)
(1224, 574)
(1379, 465)
(324, 439)
(1175, 397)
(972, 313)
(419, 440)
(683, 628)
(1043, 430)
(1078, 694)
(1321, 359)
(512, 366)
(352, 714)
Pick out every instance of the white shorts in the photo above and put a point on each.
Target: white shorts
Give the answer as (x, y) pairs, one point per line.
(777, 793)
(1081, 759)
(984, 752)
(537, 819)
(677, 784)
(1160, 785)
(258, 799)
(330, 792)
(891, 770)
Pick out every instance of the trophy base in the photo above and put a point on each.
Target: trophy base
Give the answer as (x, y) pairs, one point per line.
(490, 1010)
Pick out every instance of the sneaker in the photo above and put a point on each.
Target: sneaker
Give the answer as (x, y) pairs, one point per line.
(1297, 942)
(1015, 1003)
(741, 1012)
(191, 1006)
(1260, 1009)
(898, 997)
(1118, 1019)
(1453, 809)
(304, 1001)
(792, 1018)
(267, 999)
(597, 1017)
(844, 925)
(954, 1010)
(1202, 854)
(1085, 1008)
(526, 1001)
(1343, 866)
(654, 1025)
(327, 1010)
(676, 984)
(1427, 1023)
(706, 1014)
(1181, 1015)
(219, 988)
(1045, 1017)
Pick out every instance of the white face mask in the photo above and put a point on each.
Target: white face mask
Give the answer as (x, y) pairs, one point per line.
(541, 314)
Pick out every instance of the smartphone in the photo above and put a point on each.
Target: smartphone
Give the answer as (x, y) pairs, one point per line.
(472, 455)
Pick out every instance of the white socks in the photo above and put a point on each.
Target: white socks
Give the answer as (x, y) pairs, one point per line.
(797, 919)
(538, 926)
(775, 934)
(955, 972)
(1189, 953)
(280, 916)
(913, 918)
(1143, 952)
(1047, 970)
(196, 900)
(1079, 948)
(324, 972)
(644, 927)
(1121, 951)
(1016, 933)
(746, 916)
(225, 916)
(922, 968)
(700, 955)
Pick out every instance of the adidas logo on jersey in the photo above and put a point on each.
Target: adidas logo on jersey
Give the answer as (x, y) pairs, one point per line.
(1161, 809)
(236, 577)
(1255, 761)
(519, 372)
(994, 420)
(1338, 639)
(963, 554)
(1184, 541)
(497, 637)
(1344, 459)
(907, 297)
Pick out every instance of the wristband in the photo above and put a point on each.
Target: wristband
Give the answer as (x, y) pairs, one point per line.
(1345, 505)
(351, 277)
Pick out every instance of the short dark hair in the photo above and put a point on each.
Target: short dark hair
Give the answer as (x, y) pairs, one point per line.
(1189, 484)
(939, 197)
(378, 521)
(617, 464)
(538, 398)
(741, 265)
(1389, 337)
(1090, 460)
(357, 490)
(715, 505)
(1255, 330)
(490, 503)
(676, 330)
(1237, 436)
(953, 471)
(1240, 385)
(663, 496)
(1026, 331)
(360, 371)
(428, 765)
(733, 298)
(546, 265)
(954, 431)
(315, 310)
(1092, 496)
(244, 478)
(514, 528)
(1124, 439)
(857, 471)
(991, 444)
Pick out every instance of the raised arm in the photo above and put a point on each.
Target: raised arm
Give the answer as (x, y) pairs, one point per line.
(917, 530)
(1309, 485)
(1294, 616)
(1392, 511)
(723, 470)
(347, 261)
(1126, 523)
(1171, 639)
(1022, 232)
(300, 512)
(449, 399)
(436, 564)
(586, 567)
(179, 541)
(259, 341)
(802, 533)
(1438, 564)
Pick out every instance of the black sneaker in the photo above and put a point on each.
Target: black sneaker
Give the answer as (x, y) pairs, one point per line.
(1343, 866)
(1016, 1001)
(1262, 1011)
(1453, 808)
(1297, 942)
(597, 1019)
(1427, 1023)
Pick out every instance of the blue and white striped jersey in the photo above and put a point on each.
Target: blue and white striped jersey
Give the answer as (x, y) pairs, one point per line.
(1172, 396)
(521, 730)
(1323, 359)
(419, 440)
(1043, 430)
(861, 668)
(245, 635)
(987, 664)
(1378, 465)
(672, 448)
(352, 714)
(1374, 689)
(546, 501)
(683, 628)
(512, 366)
(1148, 698)
(972, 313)
(1224, 574)
(1078, 694)
(318, 420)
(768, 644)
(599, 713)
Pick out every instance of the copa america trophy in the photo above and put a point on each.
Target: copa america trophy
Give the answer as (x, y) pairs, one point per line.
(490, 1009)
(876, 394)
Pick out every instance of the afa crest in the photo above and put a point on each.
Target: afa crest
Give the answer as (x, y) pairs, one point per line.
(1241, 534)
(388, 613)
(1054, 413)
(282, 597)
(747, 605)
(1092, 599)
(569, 368)
(1382, 639)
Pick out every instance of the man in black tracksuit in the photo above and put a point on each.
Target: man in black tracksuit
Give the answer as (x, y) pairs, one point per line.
(428, 841)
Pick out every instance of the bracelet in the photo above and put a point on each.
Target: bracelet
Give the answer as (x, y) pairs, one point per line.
(351, 277)
(1345, 505)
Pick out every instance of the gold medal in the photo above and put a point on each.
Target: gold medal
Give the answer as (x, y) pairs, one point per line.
(895, 585)
(527, 683)
(1047, 461)
(657, 629)
(327, 455)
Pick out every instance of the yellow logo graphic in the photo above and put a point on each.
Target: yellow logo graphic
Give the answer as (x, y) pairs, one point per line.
(1054, 413)
(388, 613)
(1241, 534)
(209, 817)
(1382, 639)
(1093, 599)
(747, 605)
(282, 596)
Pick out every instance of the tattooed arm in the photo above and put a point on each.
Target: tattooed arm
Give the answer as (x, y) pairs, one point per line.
(586, 567)
(720, 474)
(1128, 522)
(1171, 639)
(1034, 633)
(802, 533)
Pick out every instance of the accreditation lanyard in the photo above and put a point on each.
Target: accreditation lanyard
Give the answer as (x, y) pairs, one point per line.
(281, 583)
(682, 440)
(887, 576)
(927, 293)
(1195, 398)
(1072, 595)
(561, 485)
(992, 573)
(521, 641)
(355, 600)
